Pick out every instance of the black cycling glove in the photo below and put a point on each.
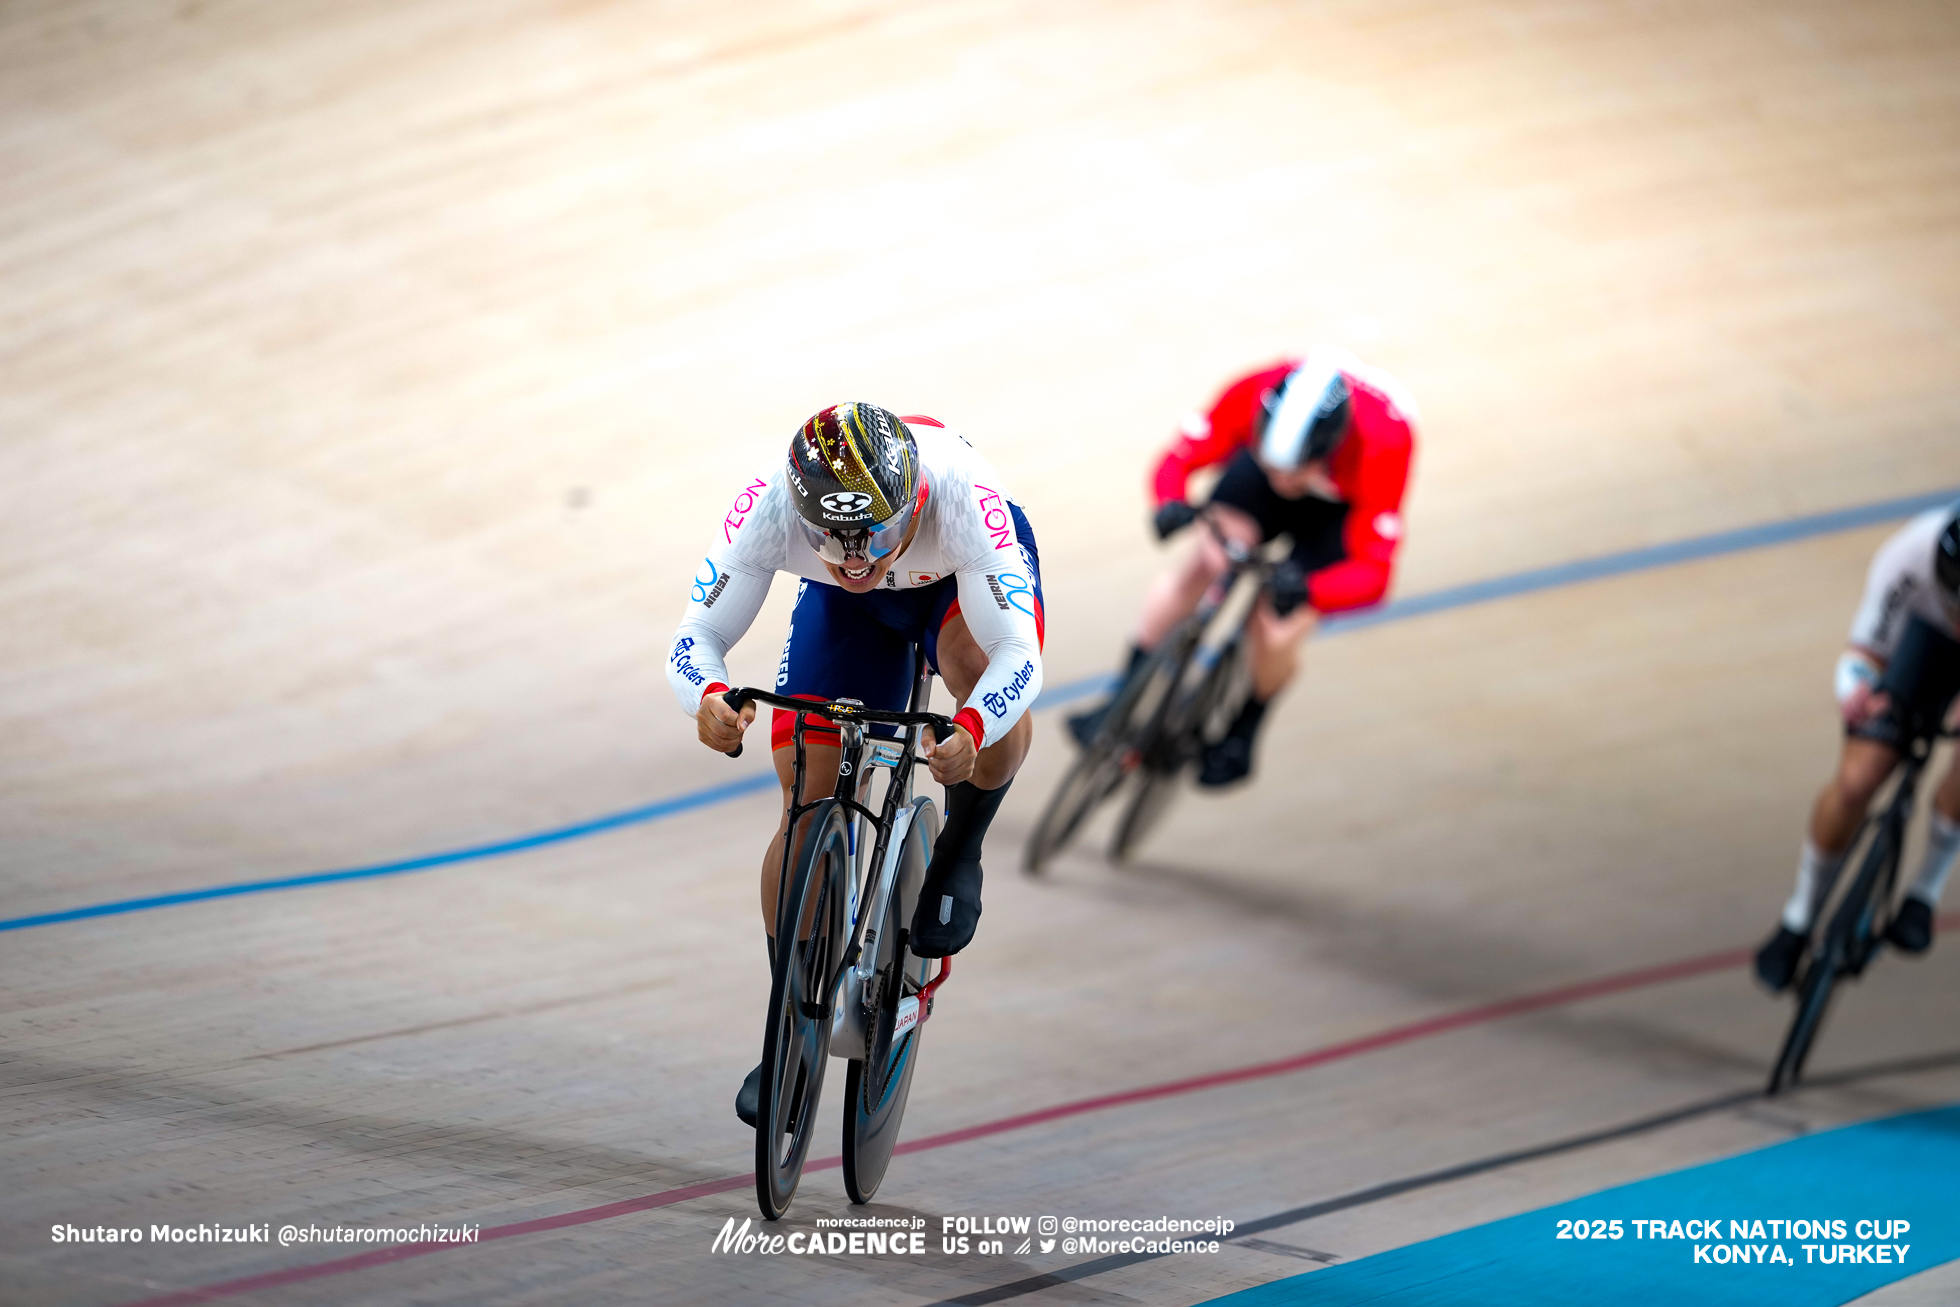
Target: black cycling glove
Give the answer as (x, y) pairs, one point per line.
(1289, 586)
(1174, 517)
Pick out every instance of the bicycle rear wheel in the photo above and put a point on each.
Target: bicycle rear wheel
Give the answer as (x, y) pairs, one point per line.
(877, 1086)
(796, 1042)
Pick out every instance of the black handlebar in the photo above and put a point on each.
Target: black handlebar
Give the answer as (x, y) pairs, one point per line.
(941, 727)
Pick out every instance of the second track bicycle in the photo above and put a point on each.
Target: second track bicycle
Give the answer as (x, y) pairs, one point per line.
(1177, 704)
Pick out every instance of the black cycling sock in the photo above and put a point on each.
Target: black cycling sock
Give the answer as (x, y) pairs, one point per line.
(969, 811)
(1246, 724)
(1137, 654)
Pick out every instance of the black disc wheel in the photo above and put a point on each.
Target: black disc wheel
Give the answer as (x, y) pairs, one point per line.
(876, 1087)
(796, 1042)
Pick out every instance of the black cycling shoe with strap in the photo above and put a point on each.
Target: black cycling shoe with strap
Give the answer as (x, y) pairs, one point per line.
(1912, 930)
(949, 908)
(748, 1099)
(1230, 760)
(1777, 959)
(1226, 763)
(949, 900)
(1084, 725)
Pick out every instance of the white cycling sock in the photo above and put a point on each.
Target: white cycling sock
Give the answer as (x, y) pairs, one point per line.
(1942, 846)
(1817, 872)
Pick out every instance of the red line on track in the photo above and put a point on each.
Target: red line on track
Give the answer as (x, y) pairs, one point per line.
(1389, 1038)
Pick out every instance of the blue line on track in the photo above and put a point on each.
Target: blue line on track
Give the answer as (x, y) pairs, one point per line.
(1899, 1169)
(632, 816)
(1461, 596)
(1641, 560)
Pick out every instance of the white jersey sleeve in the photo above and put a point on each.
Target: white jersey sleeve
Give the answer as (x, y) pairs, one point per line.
(1900, 585)
(997, 599)
(729, 587)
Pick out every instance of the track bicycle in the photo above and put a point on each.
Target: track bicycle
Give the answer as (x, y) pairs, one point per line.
(1857, 928)
(1178, 704)
(844, 984)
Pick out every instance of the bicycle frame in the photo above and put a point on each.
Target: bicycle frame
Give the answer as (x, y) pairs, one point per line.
(868, 897)
(1855, 932)
(1190, 633)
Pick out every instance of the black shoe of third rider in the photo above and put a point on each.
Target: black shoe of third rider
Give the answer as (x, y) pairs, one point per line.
(1777, 959)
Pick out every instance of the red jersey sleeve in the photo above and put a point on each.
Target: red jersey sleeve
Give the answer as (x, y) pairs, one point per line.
(1372, 470)
(1231, 424)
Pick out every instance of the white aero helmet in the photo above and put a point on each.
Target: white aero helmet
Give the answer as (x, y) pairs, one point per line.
(1308, 414)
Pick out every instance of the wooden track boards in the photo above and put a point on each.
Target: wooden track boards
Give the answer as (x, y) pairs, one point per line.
(374, 373)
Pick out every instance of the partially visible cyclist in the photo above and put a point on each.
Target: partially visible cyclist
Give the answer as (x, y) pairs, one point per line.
(1319, 450)
(902, 536)
(1915, 574)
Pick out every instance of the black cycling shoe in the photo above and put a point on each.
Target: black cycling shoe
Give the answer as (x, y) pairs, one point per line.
(1776, 960)
(1227, 762)
(949, 908)
(1084, 725)
(1912, 930)
(748, 1099)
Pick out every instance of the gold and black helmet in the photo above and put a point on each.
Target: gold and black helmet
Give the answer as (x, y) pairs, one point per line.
(854, 478)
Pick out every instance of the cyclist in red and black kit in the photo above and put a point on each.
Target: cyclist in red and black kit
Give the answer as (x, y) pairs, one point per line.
(1316, 449)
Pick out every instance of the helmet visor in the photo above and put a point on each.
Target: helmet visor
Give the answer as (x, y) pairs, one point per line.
(864, 544)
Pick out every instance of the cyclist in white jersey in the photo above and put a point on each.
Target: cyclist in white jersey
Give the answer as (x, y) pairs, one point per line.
(1900, 672)
(903, 536)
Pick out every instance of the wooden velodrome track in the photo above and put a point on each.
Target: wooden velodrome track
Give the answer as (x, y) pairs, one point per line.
(371, 376)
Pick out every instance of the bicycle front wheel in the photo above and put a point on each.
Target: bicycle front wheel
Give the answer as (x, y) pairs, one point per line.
(1813, 996)
(1135, 719)
(1186, 730)
(877, 1087)
(1848, 942)
(796, 1042)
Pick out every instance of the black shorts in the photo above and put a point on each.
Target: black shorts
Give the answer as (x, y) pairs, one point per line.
(1316, 525)
(1921, 680)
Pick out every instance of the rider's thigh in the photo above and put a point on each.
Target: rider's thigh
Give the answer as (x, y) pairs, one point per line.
(1270, 630)
(1947, 797)
(1862, 768)
(819, 772)
(1207, 561)
(1238, 525)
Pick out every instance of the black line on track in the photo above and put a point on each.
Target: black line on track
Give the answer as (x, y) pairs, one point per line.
(1363, 1197)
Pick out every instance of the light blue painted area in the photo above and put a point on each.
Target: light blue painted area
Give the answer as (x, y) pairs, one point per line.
(1462, 596)
(1901, 1168)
